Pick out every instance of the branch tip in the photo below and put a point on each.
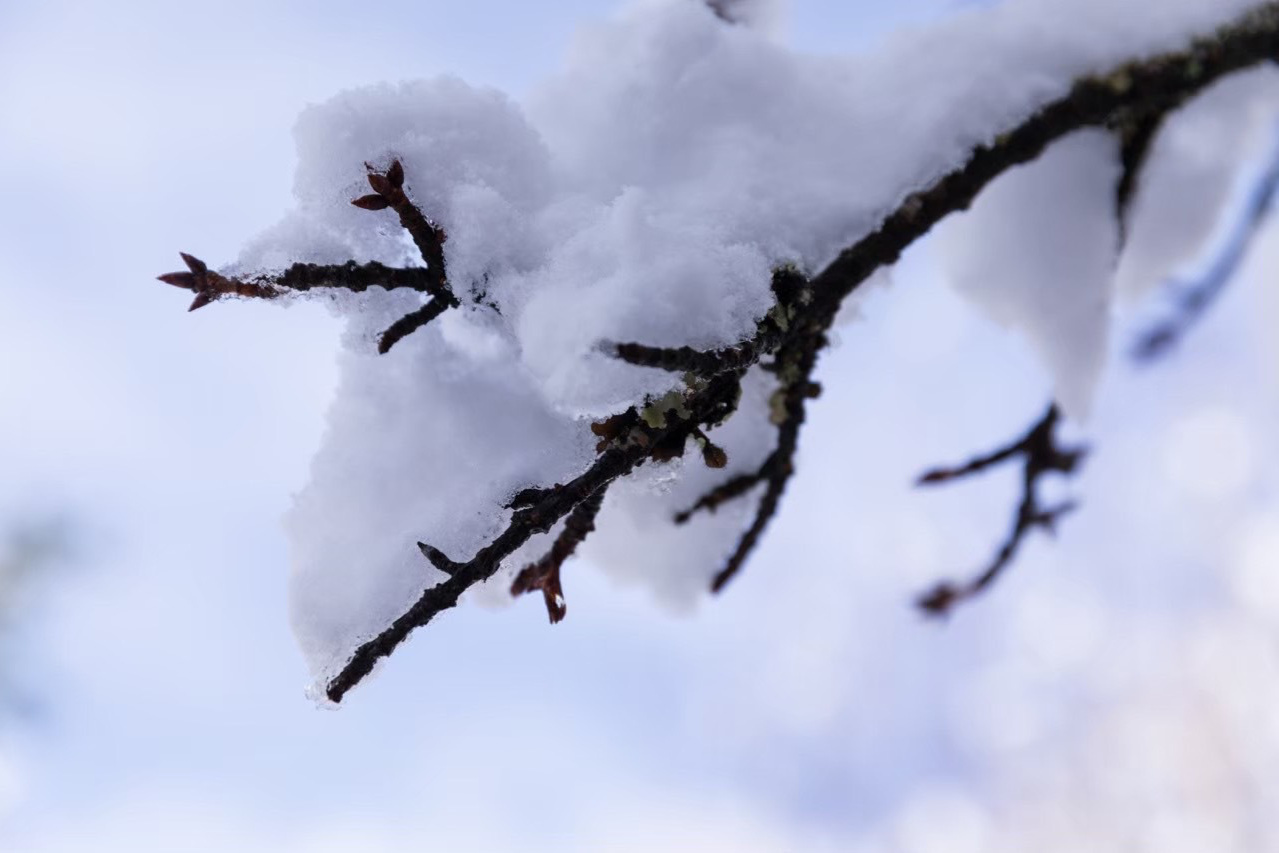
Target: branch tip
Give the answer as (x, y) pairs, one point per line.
(439, 559)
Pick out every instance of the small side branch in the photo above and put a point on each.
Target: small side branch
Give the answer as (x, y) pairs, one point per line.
(544, 575)
(210, 286)
(1042, 454)
(790, 289)
(1136, 137)
(1195, 298)
(410, 323)
(789, 411)
(729, 490)
(388, 191)
(351, 276)
(552, 504)
(701, 362)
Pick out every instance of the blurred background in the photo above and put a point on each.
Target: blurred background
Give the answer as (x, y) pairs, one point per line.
(1119, 690)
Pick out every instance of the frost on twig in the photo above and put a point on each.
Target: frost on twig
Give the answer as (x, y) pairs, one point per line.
(1041, 454)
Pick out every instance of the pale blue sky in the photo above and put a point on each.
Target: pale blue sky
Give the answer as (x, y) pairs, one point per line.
(809, 705)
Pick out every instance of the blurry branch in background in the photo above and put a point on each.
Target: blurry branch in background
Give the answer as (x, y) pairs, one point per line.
(1129, 100)
(727, 11)
(29, 551)
(1194, 297)
(1041, 454)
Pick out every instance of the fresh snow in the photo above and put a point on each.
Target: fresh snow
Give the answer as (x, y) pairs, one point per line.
(645, 193)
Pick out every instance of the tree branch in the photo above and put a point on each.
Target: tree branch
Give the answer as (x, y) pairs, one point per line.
(544, 575)
(794, 334)
(300, 278)
(776, 473)
(410, 323)
(1043, 455)
(1150, 85)
(1136, 137)
(388, 191)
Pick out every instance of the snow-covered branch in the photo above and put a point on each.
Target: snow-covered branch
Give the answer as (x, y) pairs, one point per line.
(726, 293)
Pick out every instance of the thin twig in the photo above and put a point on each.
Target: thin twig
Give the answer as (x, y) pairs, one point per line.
(410, 323)
(777, 470)
(1091, 103)
(1136, 137)
(1042, 454)
(730, 489)
(544, 574)
(298, 278)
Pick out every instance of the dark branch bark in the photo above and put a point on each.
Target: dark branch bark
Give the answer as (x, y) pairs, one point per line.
(701, 362)
(298, 278)
(795, 367)
(1136, 137)
(1043, 455)
(544, 575)
(734, 487)
(353, 276)
(388, 191)
(410, 323)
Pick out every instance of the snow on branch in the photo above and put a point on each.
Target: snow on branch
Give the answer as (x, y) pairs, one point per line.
(546, 281)
(388, 192)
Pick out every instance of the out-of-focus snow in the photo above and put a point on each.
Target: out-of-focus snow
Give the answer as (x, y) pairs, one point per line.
(644, 194)
(1038, 253)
